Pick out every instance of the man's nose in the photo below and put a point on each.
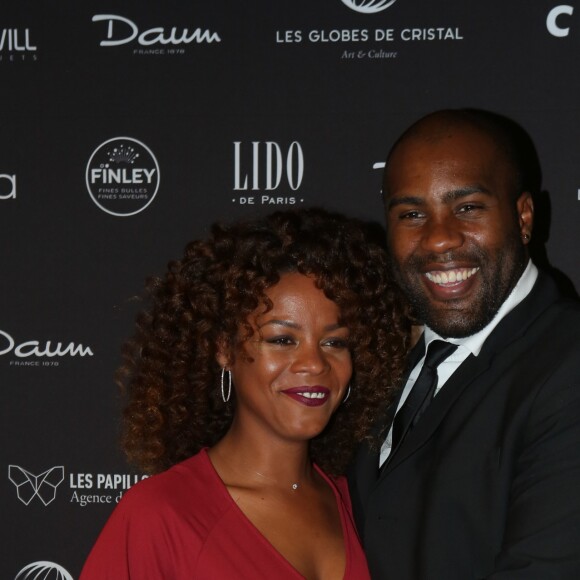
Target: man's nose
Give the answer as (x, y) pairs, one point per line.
(441, 234)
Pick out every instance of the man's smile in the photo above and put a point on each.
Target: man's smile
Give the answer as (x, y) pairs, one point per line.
(447, 277)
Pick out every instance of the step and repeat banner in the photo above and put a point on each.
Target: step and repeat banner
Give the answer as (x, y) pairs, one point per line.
(127, 128)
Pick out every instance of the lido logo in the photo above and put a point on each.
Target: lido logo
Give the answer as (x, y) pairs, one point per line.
(122, 176)
(264, 164)
(368, 6)
(42, 486)
(268, 167)
(44, 570)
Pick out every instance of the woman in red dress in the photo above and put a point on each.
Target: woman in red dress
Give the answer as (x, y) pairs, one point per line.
(267, 353)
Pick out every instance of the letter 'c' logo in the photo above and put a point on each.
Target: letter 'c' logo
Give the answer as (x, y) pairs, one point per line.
(551, 21)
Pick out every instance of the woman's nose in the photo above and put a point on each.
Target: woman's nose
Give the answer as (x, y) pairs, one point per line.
(310, 358)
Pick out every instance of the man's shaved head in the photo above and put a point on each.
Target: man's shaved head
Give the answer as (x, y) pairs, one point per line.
(509, 138)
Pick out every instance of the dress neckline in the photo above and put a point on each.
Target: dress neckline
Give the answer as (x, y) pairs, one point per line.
(233, 505)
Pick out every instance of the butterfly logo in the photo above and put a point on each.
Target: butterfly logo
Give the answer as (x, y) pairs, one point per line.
(42, 486)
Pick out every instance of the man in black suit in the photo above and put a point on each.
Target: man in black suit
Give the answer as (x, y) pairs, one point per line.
(478, 475)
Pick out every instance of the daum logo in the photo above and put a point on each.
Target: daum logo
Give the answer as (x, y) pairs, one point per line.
(122, 176)
(7, 186)
(121, 30)
(35, 349)
(42, 486)
(44, 570)
(368, 6)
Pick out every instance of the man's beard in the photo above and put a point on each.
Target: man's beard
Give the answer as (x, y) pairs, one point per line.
(498, 273)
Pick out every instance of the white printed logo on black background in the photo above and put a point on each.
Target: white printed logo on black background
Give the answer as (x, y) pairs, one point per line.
(274, 170)
(44, 570)
(16, 45)
(158, 40)
(7, 186)
(122, 176)
(43, 486)
(368, 6)
(558, 21)
(36, 353)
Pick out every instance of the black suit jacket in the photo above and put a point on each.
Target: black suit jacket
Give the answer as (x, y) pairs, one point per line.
(487, 485)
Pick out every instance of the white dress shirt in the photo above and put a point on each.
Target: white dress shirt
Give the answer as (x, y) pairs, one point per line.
(466, 346)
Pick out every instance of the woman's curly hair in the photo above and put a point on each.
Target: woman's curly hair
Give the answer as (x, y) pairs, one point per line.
(170, 374)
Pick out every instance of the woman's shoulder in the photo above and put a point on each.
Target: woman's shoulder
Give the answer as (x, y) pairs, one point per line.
(193, 471)
(191, 487)
(160, 525)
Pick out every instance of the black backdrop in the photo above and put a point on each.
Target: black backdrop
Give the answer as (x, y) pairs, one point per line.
(128, 127)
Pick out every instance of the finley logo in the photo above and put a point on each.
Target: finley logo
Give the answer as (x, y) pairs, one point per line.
(45, 570)
(122, 176)
(368, 6)
(29, 486)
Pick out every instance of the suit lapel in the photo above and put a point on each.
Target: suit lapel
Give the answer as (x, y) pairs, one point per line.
(367, 461)
(469, 370)
(512, 327)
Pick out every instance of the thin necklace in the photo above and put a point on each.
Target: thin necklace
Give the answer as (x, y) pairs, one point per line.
(294, 486)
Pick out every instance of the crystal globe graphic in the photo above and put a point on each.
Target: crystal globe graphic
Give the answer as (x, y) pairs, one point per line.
(368, 6)
(44, 570)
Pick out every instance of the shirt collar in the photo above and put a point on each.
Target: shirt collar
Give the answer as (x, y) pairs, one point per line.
(474, 343)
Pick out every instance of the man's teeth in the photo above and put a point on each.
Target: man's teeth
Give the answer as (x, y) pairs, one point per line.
(451, 276)
(310, 395)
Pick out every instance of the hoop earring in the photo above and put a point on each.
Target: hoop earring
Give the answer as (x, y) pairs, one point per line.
(347, 394)
(226, 399)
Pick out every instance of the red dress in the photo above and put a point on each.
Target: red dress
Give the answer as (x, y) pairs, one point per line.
(183, 524)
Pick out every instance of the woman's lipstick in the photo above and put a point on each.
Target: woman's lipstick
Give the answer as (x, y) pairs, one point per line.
(309, 396)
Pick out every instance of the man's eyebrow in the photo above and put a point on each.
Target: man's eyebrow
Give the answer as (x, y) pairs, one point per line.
(448, 196)
(464, 192)
(406, 200)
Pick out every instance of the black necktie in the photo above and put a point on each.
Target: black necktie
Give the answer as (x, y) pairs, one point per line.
(422, 392)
